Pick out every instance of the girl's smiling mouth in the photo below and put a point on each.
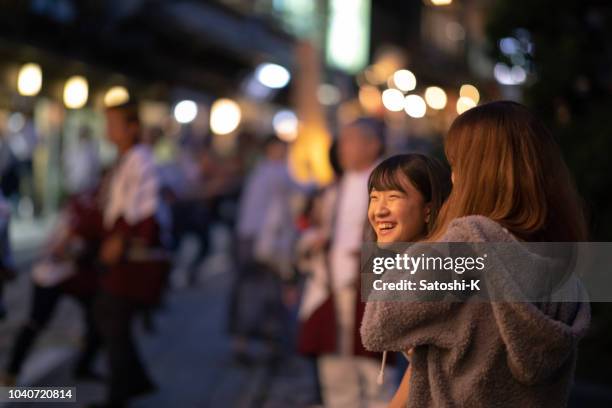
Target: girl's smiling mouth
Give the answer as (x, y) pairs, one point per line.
(385, 227)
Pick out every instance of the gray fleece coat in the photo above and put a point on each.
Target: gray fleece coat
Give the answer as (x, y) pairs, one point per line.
(487, 354)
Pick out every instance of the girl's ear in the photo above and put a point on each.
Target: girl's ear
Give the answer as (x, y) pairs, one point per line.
(427, 213)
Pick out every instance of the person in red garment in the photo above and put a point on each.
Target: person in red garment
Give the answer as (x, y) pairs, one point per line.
(132, 252)
(331, 307)
(67, 269)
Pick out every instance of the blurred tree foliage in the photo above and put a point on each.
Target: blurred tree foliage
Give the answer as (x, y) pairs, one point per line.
(572, 87)
(571, 90)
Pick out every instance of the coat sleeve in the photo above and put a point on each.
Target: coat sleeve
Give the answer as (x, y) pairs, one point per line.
(398, 325)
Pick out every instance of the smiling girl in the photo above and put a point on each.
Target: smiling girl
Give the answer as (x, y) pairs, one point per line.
(406, 194)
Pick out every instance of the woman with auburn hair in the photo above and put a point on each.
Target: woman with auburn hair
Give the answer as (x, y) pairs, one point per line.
(507, 166)
(510, 185)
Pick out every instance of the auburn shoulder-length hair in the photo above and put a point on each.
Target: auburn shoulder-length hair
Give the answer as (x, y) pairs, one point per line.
(507, 166)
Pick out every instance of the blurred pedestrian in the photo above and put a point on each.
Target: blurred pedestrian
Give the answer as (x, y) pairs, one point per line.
(82, 162)
(265, 234)
(331, 308)
(9, 174)
(202, 203)
(23, 139)
(7, 266)
(135, 260)
(68, 268)
(312, 248)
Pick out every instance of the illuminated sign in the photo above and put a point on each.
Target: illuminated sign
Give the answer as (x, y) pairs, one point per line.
(348, 34)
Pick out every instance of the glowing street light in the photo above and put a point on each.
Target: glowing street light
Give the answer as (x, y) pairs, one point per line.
(435, 97)
(285, 125)
(115, 96)
(29, 80)
(441, 2)
(393, 100)
(470, 91)
(370, 98)
(272, 75)
(76, 92)
(185, 111)
(328, 94)
(415, 106)
(464, 103)
(404, 80)
(225, 116)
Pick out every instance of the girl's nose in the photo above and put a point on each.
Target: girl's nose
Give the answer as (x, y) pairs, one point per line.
(381, 209)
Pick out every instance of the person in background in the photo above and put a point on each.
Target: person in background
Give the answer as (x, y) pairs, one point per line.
(331, 308)
(214, 186)
(135, 260)
(264, 234)
(511, 186)
(23, 139)
(69, 268)
(7, 266)
(311, 257)
(82, 163)
(9, 175)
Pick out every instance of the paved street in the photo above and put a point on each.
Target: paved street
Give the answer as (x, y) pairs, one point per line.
(188, 355)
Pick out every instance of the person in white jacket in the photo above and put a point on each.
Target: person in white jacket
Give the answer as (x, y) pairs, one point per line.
(265, 234)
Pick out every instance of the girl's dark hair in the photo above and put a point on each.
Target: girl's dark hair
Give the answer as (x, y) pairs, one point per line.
(334, 160)
(427, 174)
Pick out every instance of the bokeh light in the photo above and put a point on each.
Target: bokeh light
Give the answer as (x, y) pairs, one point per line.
(272, 75)
(369, 98)
(415, 106)
(76, 92)
(404, 80)
(393, 100)
(185, 111)
(464, 104)
(470, 91)
(328, 94)
(115, 96)
(435, 97)
(285, 124)
(225, 116)
(29, 80)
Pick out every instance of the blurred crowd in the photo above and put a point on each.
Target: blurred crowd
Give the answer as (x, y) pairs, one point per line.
(295, 249)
